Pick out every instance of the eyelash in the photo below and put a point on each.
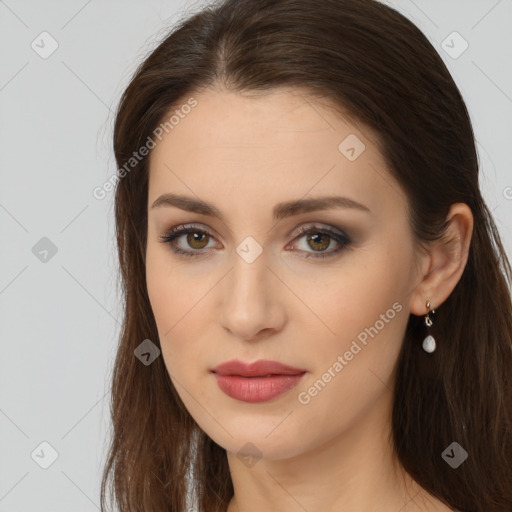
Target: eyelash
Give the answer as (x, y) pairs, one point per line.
(178, 231)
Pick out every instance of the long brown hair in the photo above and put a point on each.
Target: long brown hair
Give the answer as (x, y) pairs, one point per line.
(372, 63)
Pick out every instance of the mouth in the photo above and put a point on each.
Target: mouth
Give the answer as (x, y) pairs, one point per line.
(256, 382)
(262, 368)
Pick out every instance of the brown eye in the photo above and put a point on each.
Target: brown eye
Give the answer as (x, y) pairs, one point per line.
(319, 239)
(318, 242)
(196, 239)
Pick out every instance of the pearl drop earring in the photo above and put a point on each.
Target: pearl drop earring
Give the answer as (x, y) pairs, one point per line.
(429, 343)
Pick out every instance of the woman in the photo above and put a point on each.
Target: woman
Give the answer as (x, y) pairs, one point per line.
(318, 314)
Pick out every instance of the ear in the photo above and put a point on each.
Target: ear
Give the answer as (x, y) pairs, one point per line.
(443, 264)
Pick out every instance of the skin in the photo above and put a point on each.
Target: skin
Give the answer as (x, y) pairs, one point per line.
(244, 155)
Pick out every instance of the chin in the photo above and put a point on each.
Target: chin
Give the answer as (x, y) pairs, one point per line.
(254, 441)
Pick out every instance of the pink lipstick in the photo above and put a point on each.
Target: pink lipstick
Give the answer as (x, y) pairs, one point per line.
(256, 382)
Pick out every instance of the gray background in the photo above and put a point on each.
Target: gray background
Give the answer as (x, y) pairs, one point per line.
(60, 312)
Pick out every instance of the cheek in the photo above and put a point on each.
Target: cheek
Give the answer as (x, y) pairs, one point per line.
(167, 303)
(171, 293)
(352, 371)
(352, 297)
(178, 301)
(160, 291)
(364, 307)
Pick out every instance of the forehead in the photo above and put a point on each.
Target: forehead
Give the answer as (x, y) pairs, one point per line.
(273, 118)
(263, 145)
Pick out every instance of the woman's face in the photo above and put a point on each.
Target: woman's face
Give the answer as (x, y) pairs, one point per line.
(333, 304)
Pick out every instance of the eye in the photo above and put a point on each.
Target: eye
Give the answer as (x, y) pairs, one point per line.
(195, 238)
(320, 239)
(316, 238)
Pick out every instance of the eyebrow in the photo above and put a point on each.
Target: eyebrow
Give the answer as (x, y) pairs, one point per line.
(280, 210)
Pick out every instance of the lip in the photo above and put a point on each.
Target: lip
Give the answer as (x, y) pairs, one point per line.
(256, 382)
(259, 368)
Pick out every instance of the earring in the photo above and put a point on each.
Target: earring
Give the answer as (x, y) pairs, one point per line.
(429, 343)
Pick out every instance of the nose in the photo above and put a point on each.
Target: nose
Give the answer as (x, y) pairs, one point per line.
(253, 305)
